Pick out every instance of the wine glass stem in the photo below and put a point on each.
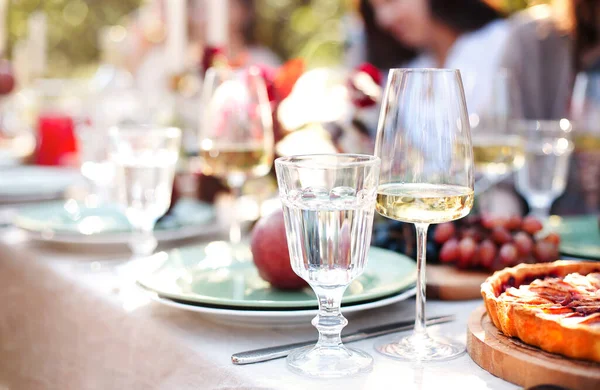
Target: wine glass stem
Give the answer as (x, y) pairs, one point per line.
(329, 321)
(143, 241)
(540, 212)
(235, 231)
(420, 327)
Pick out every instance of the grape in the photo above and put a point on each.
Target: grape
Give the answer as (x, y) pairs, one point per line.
(432, 252)
(545, 251)
(472, 232)
(508, 254)
(514, 222)
(466, 252)
(524, 243)
(487, 253)
(396, 226)
(501, 236)
(531, 225)
(449, 251)
(553, 238)
(488, 221)
(444, 232)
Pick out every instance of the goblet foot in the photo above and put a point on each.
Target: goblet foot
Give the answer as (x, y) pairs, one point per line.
(329, 362)
(421, 348)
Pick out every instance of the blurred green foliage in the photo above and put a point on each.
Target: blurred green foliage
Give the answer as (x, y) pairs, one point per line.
(73, 26)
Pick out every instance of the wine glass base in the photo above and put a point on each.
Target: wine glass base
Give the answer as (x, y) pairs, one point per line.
(416, 348)
(325, 362)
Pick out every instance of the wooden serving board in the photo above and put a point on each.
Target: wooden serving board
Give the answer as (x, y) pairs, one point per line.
(452, 284)
(524, 365)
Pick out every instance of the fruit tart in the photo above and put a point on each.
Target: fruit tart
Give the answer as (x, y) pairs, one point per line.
(553, 306)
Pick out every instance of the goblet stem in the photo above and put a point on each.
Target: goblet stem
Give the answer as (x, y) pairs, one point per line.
(420, 326)
(329, 320)
(235, 231)
(143, 243)
(540, 212)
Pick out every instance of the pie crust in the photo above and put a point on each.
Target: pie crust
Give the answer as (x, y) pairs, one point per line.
(553, 306)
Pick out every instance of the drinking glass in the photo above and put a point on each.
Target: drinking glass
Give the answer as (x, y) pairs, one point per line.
(585, 115)
(424, 142)
(328, 203)
(144, 158)
(498, 149)
(236, 131)
(548, 149)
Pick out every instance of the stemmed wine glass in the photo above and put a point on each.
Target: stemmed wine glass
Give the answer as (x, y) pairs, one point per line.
(236, 131)
(585, 115)
(424, 143)
(498, 149)
(144, 159)
(547, 155)
(328, 202)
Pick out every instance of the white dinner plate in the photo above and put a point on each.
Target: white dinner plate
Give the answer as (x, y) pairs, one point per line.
(35, 183)
(278, 318)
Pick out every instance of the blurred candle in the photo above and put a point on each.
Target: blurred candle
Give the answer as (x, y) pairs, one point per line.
(56, 139)
(217, 22)
(176, 35)
(37, 42)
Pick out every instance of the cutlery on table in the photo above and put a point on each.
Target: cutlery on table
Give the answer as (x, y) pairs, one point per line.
(270, 353)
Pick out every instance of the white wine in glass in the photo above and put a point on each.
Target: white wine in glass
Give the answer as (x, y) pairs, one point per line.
(424, 143)
(498, 154)
(236, 131)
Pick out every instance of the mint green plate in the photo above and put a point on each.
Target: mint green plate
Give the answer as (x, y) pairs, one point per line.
(196, 275)
(579, 236)
(71, 222)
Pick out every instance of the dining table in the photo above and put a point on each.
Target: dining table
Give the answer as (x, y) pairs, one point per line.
(64, 325)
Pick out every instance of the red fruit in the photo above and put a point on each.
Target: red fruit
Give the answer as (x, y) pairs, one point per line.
(466, 252)
(514, 222)
(488, 221)
(508, 254)
(270, 253)
(501, 236)
(7, 77)
(487, 253)
(553, 238)
(444, 232)
(545, 251)
(524, 243)
(532, 225)
(472, 232)
(449, 251)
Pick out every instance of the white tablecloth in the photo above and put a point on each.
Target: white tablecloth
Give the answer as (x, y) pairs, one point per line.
(61, 327)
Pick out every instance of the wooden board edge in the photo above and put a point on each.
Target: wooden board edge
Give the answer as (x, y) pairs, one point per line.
(520, 368)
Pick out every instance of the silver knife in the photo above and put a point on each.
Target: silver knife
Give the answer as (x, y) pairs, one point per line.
(270, 353)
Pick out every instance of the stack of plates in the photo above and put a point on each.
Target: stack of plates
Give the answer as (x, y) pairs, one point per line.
(72, 223)
(201, 279)
(35, 183)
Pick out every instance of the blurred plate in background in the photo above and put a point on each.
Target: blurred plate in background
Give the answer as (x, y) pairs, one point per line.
(35, 183)
(70, 223)
(579, 236)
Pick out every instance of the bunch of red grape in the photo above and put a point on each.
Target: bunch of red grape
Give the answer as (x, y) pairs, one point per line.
(493, 243)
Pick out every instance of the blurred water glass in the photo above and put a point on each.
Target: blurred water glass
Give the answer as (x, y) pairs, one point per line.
(144, 158)
(548, 150)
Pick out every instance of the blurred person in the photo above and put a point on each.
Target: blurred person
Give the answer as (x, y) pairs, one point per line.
(469, 35)
(540, 59)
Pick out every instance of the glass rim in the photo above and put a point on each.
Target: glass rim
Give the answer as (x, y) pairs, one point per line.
(425, 70)
(307, 161)
(151, 130)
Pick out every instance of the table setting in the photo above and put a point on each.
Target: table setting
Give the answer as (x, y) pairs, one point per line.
(260, 237)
